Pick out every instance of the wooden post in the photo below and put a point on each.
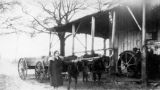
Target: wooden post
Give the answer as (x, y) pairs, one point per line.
(113, 29)
(50, 44)
(85, 43)
(104, 42)
(113, 62)
(144, 74)
(73, 38)
(93, 33)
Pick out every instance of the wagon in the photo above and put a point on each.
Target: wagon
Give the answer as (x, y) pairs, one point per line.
(39, 64)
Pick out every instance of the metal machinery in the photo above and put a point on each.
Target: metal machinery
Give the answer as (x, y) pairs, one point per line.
(153, 59)
(129, 63)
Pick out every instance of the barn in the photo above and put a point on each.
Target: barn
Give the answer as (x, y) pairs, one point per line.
(127, 26)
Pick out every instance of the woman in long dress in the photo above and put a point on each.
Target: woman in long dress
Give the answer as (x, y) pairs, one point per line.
(55, 69)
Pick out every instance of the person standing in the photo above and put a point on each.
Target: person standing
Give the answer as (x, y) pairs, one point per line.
(55, 70)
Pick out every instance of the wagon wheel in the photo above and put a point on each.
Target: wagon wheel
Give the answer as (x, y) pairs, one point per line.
(127, 64)
(22, 68)
(39, 71)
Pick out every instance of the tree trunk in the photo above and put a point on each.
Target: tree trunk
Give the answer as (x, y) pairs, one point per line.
(62, 46)
(62, 43)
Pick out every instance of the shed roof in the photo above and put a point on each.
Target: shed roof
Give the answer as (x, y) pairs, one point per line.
(84, 24)
(124, 21)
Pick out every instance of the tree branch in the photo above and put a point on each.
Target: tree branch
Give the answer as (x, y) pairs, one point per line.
(6, 5)
(7, 33)
(35, 19)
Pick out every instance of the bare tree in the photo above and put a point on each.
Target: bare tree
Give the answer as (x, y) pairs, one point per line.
(38, 23)
(6, 21)
(13, 25)
(99, 5)
(7, 5)
(102, 4)
(59, 12)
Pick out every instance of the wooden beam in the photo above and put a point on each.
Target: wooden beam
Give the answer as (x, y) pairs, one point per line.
(144, 74)
(104, 43)
(130, 11)
(144, 24)
(93, 33)
(113, 29)
(109, 49)
(73, 38)
(76, 30)
(113, 61)
(80, 41)
(50, 43)
(85, 43)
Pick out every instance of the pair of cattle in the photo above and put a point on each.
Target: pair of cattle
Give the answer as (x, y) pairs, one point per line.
(96, 67)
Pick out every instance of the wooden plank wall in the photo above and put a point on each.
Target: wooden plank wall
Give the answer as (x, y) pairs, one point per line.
(127, 40)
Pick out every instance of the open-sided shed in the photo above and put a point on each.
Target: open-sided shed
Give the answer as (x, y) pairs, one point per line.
(128, 32)
(127, 26)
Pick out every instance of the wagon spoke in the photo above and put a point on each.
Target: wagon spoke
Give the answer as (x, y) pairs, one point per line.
(127, 63)
(131, 65)
(122, 61)
(126, 58)
(39, 71)
(124, 70)
(131, 70)
(22, 68)
(130, 59)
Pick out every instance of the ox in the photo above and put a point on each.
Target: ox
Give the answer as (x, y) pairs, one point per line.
(96, 67)
(72, 68)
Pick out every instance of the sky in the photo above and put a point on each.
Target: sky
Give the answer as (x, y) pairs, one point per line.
(14, 46)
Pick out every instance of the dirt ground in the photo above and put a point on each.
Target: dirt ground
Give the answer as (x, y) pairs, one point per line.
(9, 80)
